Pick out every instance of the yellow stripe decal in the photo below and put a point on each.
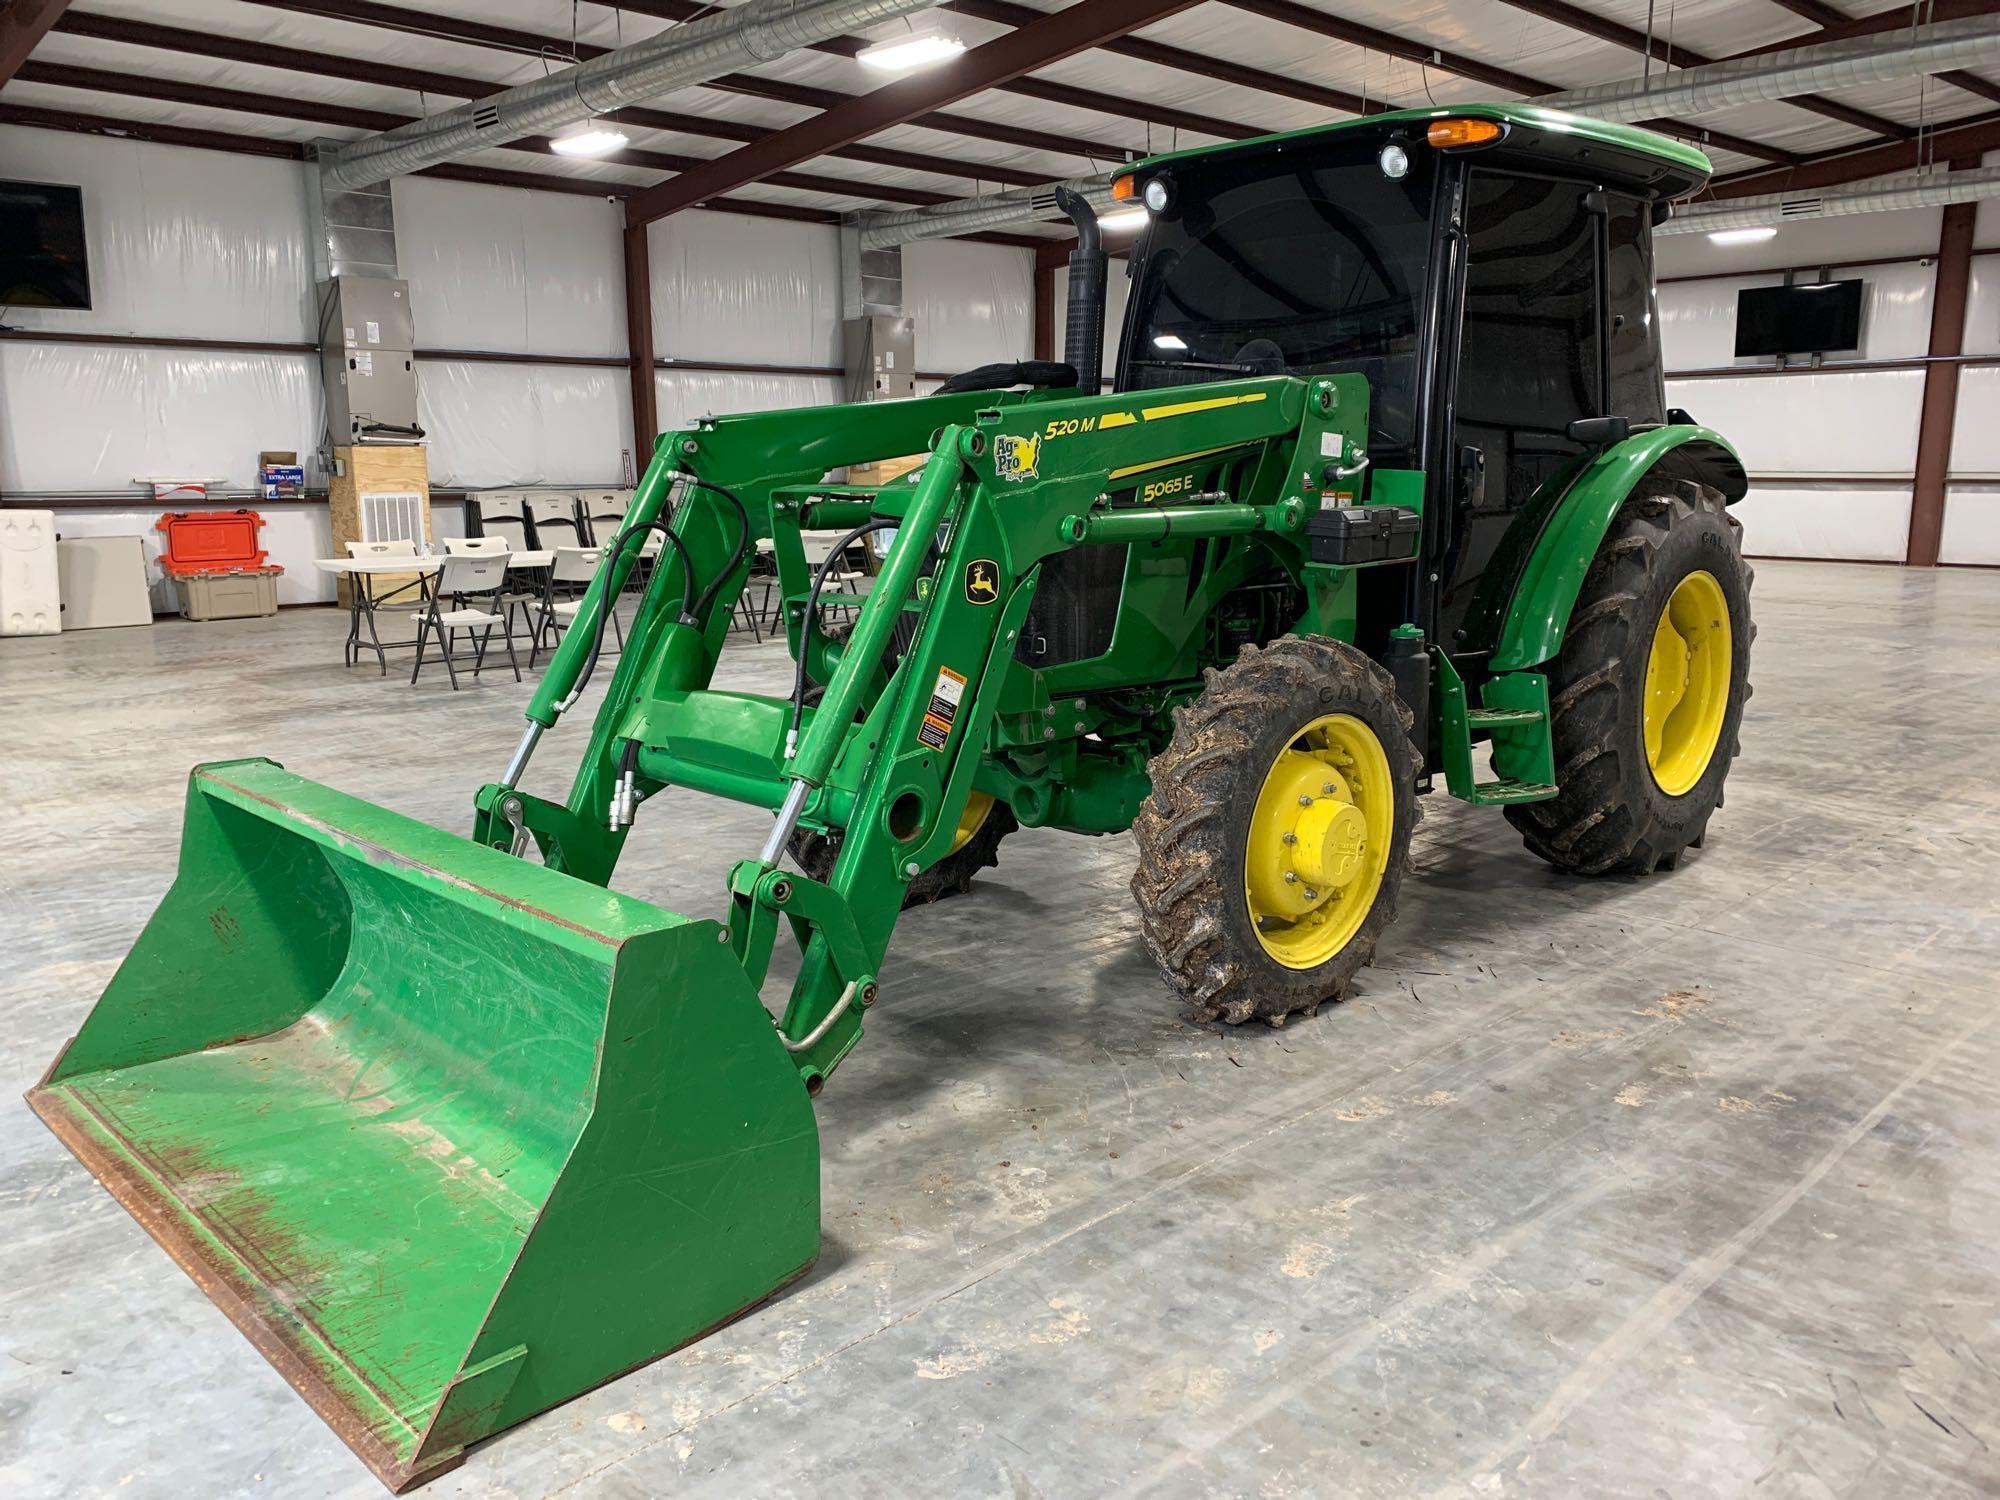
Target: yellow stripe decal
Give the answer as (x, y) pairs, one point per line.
(1116, 419)
(1161, 463)
(1181, 409)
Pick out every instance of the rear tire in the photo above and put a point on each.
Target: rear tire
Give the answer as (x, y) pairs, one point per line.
(1621, 809)
(1242, 771)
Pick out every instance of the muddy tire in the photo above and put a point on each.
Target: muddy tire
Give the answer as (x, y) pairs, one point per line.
(815, 853)
(1197, 877)
(1612, 814)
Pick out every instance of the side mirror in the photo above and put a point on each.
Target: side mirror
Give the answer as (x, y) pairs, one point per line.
(1599, 432)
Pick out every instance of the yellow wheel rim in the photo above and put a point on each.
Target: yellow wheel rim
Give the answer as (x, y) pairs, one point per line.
(1687, 683)
(1319, 841)
(977, 807)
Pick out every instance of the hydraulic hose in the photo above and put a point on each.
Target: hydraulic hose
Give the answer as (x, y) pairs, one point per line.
(742, 539)
(874, 523)
(604, 610)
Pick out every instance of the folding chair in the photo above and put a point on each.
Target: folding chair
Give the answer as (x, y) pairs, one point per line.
(478, 546)
(570, 575)
(363, 601)
(604, 513)
(464, 583)
(841, 579)
(554, 515)
(501, 513)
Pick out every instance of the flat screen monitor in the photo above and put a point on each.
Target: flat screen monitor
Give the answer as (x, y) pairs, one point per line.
(1817, 318)
(42, 258)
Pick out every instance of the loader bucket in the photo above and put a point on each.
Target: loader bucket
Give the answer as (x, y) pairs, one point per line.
(452, 1137)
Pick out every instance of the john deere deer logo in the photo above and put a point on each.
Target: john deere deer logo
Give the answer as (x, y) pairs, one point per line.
(982, 582)
(1015, 457)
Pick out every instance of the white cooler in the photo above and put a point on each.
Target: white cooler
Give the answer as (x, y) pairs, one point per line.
(30, 586)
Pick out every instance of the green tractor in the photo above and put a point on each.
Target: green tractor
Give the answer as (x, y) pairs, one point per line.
(454, 1132)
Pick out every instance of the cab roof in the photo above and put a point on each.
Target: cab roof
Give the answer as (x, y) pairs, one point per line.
(1643, 160)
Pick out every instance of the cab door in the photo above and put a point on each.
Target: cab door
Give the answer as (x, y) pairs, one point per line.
(1530, 361)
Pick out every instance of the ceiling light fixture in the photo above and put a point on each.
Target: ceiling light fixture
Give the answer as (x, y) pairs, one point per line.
(1753, 234)
(590, 137)
(923, 46)
(1124, 219)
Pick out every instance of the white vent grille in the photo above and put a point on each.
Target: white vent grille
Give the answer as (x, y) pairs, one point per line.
(396, 517)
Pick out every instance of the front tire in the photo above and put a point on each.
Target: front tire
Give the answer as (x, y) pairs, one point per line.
(1275, 838)
(1646, 697)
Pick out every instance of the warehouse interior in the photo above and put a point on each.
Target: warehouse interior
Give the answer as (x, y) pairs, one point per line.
(1663, 1183)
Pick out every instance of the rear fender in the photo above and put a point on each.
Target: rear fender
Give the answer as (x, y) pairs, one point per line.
(1538, 612)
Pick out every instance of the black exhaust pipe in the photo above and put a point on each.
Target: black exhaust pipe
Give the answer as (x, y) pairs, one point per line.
(1083, 329)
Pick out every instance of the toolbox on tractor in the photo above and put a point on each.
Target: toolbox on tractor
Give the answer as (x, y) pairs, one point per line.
(454, 1132)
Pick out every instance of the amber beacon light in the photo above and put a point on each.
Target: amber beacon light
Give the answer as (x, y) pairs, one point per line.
(1446, 134)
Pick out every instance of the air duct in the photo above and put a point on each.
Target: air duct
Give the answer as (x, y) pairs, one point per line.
(760, 31)
(1882, 58)
(971, 215)
(1880, 195)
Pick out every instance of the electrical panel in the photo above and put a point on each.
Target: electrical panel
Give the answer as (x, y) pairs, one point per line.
(368, 366)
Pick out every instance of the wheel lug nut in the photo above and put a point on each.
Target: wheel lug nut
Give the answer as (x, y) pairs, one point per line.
(1291, 877)
(1311, 894)
(1304, 800)
(1291, 838)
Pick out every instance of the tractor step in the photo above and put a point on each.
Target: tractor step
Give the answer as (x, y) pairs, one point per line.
(1513, 718)
(1506, 792)
(1496, 718)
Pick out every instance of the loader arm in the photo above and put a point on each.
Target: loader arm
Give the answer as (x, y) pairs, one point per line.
(887, 758)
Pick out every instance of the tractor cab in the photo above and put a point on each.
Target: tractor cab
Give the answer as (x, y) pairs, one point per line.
(1488, 270)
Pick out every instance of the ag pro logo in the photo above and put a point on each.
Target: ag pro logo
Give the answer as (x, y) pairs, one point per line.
(1014, 457)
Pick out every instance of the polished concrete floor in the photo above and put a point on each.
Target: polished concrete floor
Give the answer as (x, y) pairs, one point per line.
(1684, 1187)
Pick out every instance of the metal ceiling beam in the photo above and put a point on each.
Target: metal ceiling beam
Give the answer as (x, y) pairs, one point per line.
(1055, 36)
(485, 34)
(365, 70)
(667, 62)
(1578, 19)
(349, 117)
(1853, 164)
(1290, 13)
(22, 25)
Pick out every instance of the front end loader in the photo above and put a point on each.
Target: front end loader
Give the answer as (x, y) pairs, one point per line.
(454, 1132)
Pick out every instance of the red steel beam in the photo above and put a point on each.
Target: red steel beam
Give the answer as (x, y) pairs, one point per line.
(639, 344)
(22, 25)
(1055, 36)
(1940, 403)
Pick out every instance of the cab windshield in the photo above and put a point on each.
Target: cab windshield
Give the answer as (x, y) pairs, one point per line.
(1311, 260)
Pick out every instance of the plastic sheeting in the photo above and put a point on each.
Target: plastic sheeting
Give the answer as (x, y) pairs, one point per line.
(510, 270)
(187, 244)
(685, 395)
(1982, 306)
(1698, 318)
(88, 418)
(1971, 525)
(1975, 435)
(750, 291)
(293, 535)
(974, 304)
(1805, 242)
(1826, 521)
(493, 424)
(1854, 422)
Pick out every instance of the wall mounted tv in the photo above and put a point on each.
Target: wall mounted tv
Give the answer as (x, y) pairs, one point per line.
(1815, 318)
(42, 258)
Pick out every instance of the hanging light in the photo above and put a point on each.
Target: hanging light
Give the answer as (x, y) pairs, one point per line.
(922, 46)
(590, 137)
(1124, 219)
(1753, 234)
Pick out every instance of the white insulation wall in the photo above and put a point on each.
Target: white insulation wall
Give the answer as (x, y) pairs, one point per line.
(1832, 454)
(197, 244)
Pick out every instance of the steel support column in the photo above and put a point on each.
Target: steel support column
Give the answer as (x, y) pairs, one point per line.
(1940, 405)
(639, 345)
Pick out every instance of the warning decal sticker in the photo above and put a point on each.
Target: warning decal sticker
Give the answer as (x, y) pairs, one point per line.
(935, 728)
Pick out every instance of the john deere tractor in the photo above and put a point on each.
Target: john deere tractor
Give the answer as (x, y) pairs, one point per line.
(1385, 491)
